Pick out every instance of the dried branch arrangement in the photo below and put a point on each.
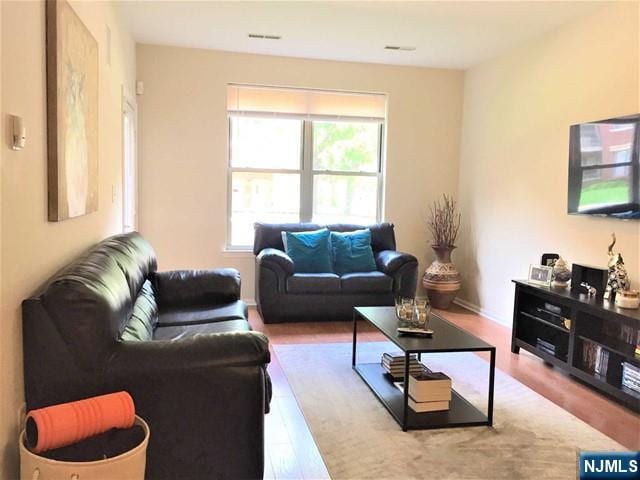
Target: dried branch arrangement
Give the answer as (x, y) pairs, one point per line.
(444, 222)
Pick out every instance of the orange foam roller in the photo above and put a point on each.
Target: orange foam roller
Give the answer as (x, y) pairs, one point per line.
(67, 423)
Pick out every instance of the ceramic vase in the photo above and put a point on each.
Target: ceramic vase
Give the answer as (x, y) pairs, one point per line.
(561, 273)
(441, 279)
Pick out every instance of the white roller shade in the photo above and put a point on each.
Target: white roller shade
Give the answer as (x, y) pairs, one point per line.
(312, 104)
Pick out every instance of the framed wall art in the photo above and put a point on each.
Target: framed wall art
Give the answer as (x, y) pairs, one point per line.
(72, 114)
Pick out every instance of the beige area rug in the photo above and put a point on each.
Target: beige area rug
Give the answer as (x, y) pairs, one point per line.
(532, 438)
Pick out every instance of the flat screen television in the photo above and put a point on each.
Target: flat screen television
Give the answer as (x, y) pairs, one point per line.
(604, 168)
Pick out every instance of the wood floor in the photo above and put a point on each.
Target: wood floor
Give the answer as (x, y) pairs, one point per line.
(291, 452)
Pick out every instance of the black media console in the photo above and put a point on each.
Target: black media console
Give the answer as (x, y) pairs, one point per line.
(590, 338)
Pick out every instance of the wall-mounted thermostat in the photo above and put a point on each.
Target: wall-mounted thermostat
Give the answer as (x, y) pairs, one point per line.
(18, 133)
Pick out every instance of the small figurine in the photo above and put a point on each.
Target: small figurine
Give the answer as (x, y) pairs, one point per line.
(561, 273)
(588, 289)
(618, 277)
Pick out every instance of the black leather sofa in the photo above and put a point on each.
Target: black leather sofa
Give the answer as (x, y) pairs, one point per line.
(178, 342)
(285, 296)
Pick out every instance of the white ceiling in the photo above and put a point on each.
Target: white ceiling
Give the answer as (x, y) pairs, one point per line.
(446, 34)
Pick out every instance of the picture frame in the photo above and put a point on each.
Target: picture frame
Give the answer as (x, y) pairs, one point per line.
(72, 114)
(549, 259)
(540, 275)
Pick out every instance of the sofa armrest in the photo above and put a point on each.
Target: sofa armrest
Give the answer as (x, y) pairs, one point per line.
(197, 287)
(197, 353)
(276, 260)
(194, 393)
(402, 267)
(390, 261)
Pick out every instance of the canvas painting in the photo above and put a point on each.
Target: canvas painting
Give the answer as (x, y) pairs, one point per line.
(72, 114)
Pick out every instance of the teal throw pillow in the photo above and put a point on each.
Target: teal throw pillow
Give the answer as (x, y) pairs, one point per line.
(310, 251)
(352, 252)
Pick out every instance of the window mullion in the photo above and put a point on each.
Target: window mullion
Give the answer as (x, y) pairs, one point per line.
(306, 186)
(380, 194)
(605, 166)
(345, 173)
(263, 170)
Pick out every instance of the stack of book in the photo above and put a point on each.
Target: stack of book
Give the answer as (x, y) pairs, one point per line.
(429, 391)
(589, 354)
(602, 360)
(545, 346)
(595, 358)
(631, 376)
(393, 364)
(627, 334)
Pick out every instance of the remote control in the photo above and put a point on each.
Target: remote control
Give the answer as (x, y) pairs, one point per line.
(419, 332)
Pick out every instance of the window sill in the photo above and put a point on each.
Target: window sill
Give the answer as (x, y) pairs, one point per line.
(237, 252)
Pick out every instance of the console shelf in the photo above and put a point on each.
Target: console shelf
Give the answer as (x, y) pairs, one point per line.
(600, 338)
(545, 322)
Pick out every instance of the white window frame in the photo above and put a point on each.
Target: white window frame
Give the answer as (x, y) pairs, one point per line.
(306, 172)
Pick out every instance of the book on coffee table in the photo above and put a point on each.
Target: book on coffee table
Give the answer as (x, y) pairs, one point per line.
(427, 406)
(427, 386)
(421, 407)
(393, 364)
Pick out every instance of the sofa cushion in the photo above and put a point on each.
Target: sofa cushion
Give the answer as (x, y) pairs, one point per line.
(133, 254)
(382, 234)
(366, 282)
(310, 251)
(194, 316)
(196, 288)
(185, 331)
(144, 316)
(91, 299)
(352, 252)
(313, 283)
(269, 235)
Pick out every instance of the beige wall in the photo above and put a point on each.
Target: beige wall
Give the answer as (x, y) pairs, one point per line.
(183, 144)
(32, 248)
(513, 167)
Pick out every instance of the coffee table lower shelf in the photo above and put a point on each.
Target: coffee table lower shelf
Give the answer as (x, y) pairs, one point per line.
(460, 414)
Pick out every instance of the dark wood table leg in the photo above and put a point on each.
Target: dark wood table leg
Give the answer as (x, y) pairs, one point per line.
(405, 411)
(492, 373)
(355, 334)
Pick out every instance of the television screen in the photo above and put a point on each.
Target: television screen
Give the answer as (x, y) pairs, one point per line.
(604, 168)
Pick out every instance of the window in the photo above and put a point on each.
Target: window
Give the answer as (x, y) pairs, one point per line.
(292, 166)
(265, 173)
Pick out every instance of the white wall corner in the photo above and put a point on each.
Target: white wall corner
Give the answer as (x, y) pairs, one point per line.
(483, 312)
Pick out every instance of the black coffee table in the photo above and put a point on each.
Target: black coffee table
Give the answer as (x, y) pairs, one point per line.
(447, 338)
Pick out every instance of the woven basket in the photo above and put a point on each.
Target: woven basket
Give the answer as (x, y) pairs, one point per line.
(127, 466)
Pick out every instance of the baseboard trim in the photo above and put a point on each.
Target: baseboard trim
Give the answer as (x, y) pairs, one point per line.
(480, 311)
(458, 301)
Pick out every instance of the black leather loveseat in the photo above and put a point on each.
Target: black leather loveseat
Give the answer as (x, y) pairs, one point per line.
(285, 296)
(178, 342)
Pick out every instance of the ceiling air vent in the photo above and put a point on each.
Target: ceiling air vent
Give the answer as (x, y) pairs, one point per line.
(397, 47)
(264, 37)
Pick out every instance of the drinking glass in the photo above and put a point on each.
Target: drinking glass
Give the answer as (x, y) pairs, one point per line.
(404, 308)
(407, 309)
(398, 301)
(421, 310)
